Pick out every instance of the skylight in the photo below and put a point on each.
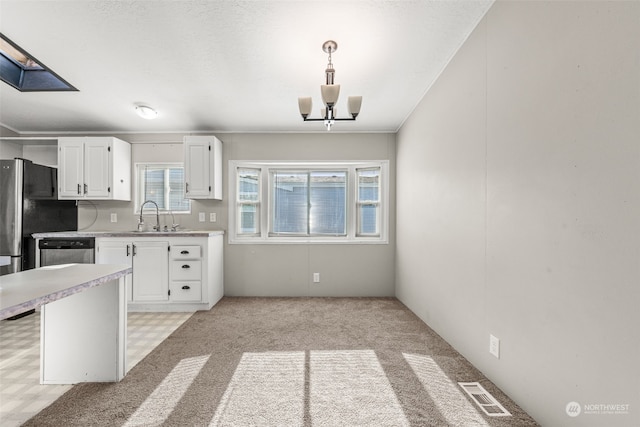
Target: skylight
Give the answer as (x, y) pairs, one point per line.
(20, 70)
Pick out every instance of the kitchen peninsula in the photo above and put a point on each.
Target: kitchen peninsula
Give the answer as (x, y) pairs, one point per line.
(83, 323)
(172, 270)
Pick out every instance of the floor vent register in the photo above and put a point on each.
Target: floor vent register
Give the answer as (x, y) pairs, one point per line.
(484, 400)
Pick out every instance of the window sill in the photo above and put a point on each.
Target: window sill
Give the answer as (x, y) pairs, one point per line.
(306, 241)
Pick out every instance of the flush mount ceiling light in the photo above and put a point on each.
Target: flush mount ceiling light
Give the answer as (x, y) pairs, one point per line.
(330, 92)
(146, 112)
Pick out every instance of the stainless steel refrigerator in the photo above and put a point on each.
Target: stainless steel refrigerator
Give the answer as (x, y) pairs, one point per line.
(29, 204)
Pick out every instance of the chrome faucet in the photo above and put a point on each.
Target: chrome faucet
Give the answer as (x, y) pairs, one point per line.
(141, 221)
(174, 226)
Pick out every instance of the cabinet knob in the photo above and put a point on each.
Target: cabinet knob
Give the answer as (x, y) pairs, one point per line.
(184, 252)
(186, 266)
(186, 287)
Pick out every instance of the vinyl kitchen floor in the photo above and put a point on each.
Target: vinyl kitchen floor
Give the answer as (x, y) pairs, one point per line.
(22, 395)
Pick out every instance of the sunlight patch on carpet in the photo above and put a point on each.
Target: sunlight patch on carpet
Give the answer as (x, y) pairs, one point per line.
(266, 389)
(350, 388)
(449, 400)
(159, 405)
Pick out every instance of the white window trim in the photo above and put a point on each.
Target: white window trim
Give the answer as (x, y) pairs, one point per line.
(149, 209)
(265, 197)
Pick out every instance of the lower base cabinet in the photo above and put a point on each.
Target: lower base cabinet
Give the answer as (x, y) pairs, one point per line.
(150, 271)
(185, 291)
(169, 274)
(149, 259)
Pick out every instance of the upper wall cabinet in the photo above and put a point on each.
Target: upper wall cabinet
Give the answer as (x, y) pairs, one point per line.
(94, 168)
(203, 167)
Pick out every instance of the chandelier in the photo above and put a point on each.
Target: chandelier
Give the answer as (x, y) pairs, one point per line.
(330, 92)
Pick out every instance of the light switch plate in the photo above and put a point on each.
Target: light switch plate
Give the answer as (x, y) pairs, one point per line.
(213, 217)
(201, 217)
(114, 217)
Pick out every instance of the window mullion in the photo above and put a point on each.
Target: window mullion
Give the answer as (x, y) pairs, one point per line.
(352, 207)
(308, 203)
(265, 201)
(167, 189)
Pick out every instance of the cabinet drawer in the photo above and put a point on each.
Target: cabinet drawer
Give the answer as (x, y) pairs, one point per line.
(185, 252)
(186, 291)
(186, 270)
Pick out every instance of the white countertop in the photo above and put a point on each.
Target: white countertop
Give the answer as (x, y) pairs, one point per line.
(136, 234)
(29, 289)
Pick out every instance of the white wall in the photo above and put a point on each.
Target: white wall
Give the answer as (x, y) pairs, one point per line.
(10, 150)
(37, 152)
(518, 206)
(41, 154)
(286, 270)
(6, 132)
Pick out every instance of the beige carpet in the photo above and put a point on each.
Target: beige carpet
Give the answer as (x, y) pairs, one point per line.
(290, 362)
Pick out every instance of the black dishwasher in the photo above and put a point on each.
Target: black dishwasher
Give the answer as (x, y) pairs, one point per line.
(57, 251)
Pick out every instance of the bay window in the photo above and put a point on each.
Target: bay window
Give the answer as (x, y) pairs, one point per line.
(324, 202)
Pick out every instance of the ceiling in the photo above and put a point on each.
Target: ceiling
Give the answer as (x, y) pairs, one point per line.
(228, 65)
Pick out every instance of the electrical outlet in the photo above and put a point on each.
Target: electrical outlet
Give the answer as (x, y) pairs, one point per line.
(213, 217)
(494, 346)
(201, 217)
(114, 217)
(316, 277)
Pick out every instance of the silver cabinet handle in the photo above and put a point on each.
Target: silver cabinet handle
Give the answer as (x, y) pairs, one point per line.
(79, 189)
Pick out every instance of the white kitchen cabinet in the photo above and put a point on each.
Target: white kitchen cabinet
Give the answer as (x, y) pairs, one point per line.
(97, 168)
(185, 273)
(150, 262)
(116, 252)
(179, 272)
(150, 271)
(203, 167)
